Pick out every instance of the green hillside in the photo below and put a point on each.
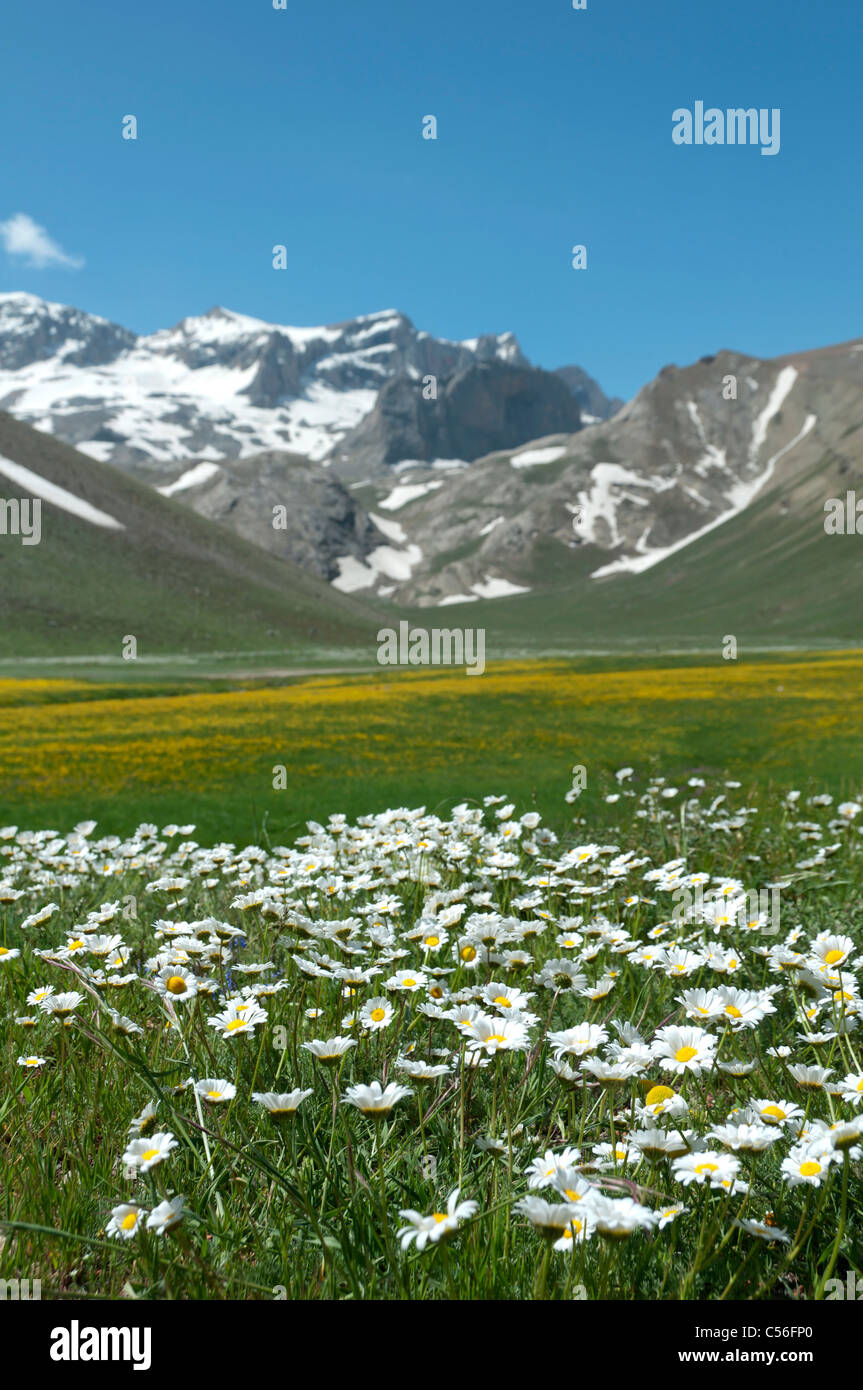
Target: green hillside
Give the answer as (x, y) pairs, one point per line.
(770, 576)
(178, 583)
(185, 587)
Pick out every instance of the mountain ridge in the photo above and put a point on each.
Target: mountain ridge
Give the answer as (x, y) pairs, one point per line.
(407, 506)
(216, 385)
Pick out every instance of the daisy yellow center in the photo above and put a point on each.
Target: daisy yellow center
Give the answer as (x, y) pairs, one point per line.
(468, 953)
(215, 1095)
(75, 945)
(432, 941)
(685, 1054)
(234, 1024)
(4, 951)
(377, 1014)
(733, 1010)
(408, 983)
(150, 1153)
(439, 1216)
(809, 1169)
(832, 957)
(504, 1003)
(176, 985)
(659, 1093)
(706, 1167)
(571, 1195)
(128, 1222)
(774, 1111)
(436, 992)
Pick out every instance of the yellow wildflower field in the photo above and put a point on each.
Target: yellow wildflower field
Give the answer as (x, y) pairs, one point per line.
(423, 733)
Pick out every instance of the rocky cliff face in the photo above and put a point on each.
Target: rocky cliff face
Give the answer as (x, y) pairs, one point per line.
(285, 504)
(481, 408)
(592, 400)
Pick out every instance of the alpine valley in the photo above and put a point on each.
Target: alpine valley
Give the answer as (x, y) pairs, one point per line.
(395, 468)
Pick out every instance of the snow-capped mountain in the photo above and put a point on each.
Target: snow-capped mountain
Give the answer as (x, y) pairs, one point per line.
(221, 385)
(501, 483)
(693, 451)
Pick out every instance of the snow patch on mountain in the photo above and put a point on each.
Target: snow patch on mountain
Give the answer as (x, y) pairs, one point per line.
(598, 507)
(385, 561)
(406, 492)
(57, 496)
(740, 496)
(201, 473)
(781, 388)
(392, 529)
(498, 588)
(530, 458)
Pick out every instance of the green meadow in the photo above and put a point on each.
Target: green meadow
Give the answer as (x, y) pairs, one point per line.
(180, 745)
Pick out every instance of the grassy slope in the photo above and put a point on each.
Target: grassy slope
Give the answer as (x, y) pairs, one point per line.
(172, 579)
(769, 577)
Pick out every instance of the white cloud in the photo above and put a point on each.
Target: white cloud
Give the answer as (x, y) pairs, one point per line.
(24, 237)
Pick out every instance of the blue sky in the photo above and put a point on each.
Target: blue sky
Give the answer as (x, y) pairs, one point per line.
(303, 127)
